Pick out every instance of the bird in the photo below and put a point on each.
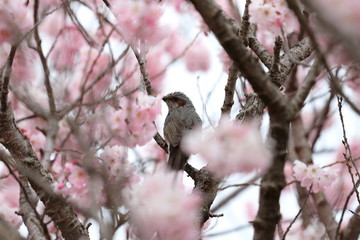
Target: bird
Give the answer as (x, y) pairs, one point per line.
(182, 117)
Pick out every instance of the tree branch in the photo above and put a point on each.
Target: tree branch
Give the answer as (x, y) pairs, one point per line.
(333, 80)
(37, 229)
(218, 22)
(261, 52)
(304, 152)
(275, 68)
(253, 108)
(6, 79)
(40, 180)
(245, 23)
(229, 90)
(207, 184)
(299, 52)
(49, 90)
(298, 101)
(352, 230)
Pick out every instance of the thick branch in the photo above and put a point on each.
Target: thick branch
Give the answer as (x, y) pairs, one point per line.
(207, 184)
(274, 180)
(40, 180)
(263, 54)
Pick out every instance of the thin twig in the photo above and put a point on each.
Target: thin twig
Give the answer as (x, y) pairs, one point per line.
(229, 90)
(343, 210)
(348, 154)
(239, 185)
(49, 90)
(297, 215)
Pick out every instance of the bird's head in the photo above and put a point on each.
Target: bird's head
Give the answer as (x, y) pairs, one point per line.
(176, 99)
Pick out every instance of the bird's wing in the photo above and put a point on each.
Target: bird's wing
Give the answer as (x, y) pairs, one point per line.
(173, 128)
(177, 122)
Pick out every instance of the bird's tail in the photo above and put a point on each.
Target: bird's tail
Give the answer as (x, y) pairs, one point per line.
(177, 158)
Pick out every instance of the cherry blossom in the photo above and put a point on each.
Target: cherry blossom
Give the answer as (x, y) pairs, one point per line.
(272, 17)
(73, 182)
(230, 148)
(90, 66)
(23, 66)
(133, 124)
(313, 177)
(116, 163)
(139, 20)
(100, 135)
(164, 200)
(9, 198)
(197, 58)
(155, 67)
(344, 14)
(14, 20)
(63, 55)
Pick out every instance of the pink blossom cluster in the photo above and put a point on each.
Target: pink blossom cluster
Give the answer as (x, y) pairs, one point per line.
(23, 68)
(116, 164)
(63, 55)
(160, 208)
(337, 194)
(313, 177)
(344, 14)
(9, 198)
(133, 123)
(14, 20)
(232, 147)
(272, 17)
(139, 20)
(197, 58)
(73, 182)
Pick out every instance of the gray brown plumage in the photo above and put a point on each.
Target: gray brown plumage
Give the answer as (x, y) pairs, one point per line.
(182, 117)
